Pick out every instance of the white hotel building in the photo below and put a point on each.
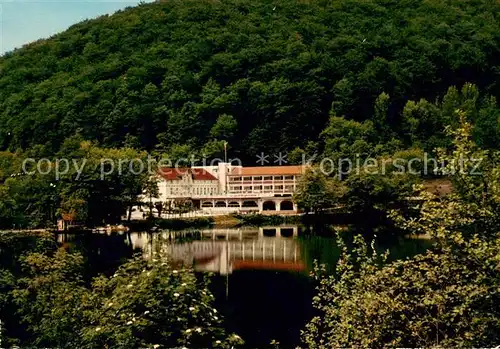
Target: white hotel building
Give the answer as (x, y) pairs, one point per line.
(228, 188)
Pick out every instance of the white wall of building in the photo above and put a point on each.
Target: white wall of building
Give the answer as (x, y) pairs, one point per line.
(227, 186)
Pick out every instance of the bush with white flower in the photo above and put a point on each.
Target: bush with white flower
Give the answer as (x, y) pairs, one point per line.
(146, 304)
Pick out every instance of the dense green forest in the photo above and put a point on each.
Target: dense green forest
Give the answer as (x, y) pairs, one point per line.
(180, 76)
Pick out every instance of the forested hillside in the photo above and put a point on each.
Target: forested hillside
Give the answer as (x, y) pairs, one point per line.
(259, 74)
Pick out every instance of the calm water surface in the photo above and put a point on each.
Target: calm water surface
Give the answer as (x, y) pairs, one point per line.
(258, 275)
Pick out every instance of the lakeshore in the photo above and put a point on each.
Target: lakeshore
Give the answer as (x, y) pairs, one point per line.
(259, 276)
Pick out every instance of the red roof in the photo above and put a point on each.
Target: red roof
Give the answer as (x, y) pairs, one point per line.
(198, 174)
(268, 170)
(68, 216)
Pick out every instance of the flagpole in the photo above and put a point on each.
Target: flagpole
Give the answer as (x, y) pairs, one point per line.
(225, 152)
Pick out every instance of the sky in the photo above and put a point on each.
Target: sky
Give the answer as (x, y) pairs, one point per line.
(24, 21)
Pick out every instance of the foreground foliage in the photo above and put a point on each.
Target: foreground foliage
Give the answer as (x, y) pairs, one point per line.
(448, 297)
(442, 298)
(146, 303)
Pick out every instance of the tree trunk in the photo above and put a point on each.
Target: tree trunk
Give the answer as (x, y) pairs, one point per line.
(129, 218)
(150, 206)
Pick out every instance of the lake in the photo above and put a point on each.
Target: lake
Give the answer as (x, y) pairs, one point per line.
(259, 275)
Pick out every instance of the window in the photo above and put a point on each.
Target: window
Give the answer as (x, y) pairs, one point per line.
(257, 178)
(257, 187)
(288, 178)
(248, 188)
(289, 188)
(268, 178)
(247, 178)
(278, 187)
(278, 178)
(235, 179)
(268, 187)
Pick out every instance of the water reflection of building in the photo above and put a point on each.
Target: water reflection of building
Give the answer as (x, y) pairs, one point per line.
(226, 250)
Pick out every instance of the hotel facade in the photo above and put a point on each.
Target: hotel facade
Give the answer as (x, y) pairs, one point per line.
(228, 188)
